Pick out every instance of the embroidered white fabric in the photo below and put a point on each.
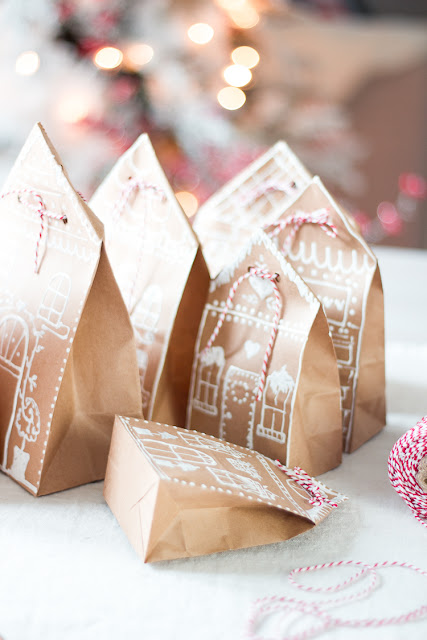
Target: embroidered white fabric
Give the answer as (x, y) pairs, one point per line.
(67, 570)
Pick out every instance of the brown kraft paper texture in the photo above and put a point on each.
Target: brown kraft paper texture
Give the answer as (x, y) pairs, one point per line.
(161, 273)
(298, 417)
(67, 352)
(343, 273)
(179, 493)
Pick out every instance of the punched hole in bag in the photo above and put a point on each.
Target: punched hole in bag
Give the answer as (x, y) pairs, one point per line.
(265, 275)
(40, 210)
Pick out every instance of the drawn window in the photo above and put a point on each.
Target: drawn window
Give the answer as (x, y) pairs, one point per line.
(55, 299)
(278, 390)
(208, 380)
(13, 344)
(176, 454)
(229, 479)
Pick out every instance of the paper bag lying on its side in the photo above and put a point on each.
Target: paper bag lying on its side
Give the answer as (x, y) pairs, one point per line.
(179, 493)
(67, 353)
(298, 417)
(226, 221)
(161, 273)
(343, 273)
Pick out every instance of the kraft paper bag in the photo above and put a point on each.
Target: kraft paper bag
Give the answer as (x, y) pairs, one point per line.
(226, 221)
(161, 273)
(343, 272)
(179, 493)
(296, 415)
(67, 353)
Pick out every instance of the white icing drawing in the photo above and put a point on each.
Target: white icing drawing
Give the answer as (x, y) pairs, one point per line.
(243, 483)
(53, 304)
(251, 348)
(210, 370)
(210, 444)
(14, 338)
(274, 411)
(247, 467)
(166, 454)
(262, 287)
(239, 392)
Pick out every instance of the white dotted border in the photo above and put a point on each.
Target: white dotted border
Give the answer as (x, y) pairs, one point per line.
(139, 438)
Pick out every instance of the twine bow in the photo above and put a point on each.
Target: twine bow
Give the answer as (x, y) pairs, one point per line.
(266, 187)
(265, 275)
(40, 210)
(134, 185)
(307, 483)
(321, 217)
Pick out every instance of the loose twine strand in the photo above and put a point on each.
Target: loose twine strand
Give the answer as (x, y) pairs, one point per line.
(265, 607)
(39, 209)
(264, 275)
(407, 469)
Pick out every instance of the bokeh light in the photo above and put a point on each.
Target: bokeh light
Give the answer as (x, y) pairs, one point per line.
(188, 202)
(245, 18)
(246, 56)
(138, 54)
(200, 33)
(73, 108)
(108, 58)
(231, 98)
(237, 75)
(27, 63)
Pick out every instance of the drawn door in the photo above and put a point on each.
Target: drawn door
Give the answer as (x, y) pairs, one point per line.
(238, 406)
(13, 353)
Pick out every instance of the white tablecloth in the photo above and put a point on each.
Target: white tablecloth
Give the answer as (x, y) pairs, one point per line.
(68, 572)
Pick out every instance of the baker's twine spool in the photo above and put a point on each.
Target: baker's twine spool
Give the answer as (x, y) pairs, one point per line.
(264, 275)
(321, 610)
(35, 203)
(407, 469)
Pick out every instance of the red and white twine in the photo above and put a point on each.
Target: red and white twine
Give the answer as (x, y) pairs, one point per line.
(134, 185)
(131, 186)
(307, 483)
(266, 187)
(40, 209)
(265, 275)
(320, 217)
(321, 609)
(404, 462)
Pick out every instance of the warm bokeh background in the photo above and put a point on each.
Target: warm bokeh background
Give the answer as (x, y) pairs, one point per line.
(342, 81)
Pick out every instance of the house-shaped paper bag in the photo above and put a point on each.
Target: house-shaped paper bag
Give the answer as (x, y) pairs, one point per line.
(67, 353)
(328, 252)
(255, 197)
(179, 493)
(265, 374)
(161, 273)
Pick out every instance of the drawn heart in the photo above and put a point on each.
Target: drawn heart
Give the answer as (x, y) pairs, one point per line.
(251, 348)
(262, 288)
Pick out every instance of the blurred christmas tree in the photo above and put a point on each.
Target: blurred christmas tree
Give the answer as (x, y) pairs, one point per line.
(196, 75)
